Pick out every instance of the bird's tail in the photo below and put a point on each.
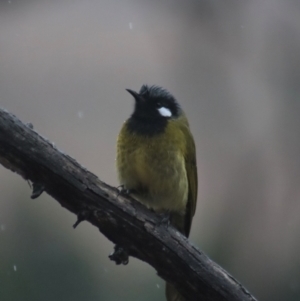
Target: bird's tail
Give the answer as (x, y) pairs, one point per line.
(172, 294)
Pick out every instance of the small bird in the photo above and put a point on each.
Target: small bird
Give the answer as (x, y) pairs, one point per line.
(156, 160)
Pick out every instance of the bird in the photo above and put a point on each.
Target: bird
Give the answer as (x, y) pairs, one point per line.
(156, 160)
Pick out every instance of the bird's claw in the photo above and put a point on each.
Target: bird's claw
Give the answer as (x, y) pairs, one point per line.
(123, 191)
(164, 219)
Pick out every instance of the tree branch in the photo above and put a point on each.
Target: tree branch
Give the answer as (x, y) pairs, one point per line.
(121, 219)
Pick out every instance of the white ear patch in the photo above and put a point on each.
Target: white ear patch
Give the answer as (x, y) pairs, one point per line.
(165, 112)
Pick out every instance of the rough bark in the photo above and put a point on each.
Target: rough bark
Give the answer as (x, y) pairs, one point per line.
(121, 219)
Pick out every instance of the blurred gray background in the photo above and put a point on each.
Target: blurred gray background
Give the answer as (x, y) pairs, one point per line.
(235, 68)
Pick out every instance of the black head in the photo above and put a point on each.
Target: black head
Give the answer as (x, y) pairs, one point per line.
(154, 102)
(154, 106)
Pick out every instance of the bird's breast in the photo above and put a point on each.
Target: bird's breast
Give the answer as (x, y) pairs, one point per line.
(154, 167)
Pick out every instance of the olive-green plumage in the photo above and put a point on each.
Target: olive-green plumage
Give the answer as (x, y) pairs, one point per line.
(156, 159)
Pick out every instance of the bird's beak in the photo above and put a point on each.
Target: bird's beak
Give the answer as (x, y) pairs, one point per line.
(137, 96)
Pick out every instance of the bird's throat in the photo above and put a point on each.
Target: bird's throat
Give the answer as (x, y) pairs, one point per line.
(146, 126)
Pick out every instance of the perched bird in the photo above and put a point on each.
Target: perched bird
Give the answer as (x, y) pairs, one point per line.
(156, 160)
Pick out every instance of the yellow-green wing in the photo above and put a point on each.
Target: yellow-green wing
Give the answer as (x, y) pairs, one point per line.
(191, 169)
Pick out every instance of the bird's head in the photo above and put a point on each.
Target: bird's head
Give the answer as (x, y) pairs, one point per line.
(154, 103)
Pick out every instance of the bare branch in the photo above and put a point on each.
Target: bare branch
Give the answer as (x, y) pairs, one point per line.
(121, 219)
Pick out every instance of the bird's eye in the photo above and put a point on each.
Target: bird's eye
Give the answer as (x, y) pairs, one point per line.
(158, 104)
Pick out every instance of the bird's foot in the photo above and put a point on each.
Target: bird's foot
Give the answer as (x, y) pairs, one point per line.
(124, 191)
(164, 219)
